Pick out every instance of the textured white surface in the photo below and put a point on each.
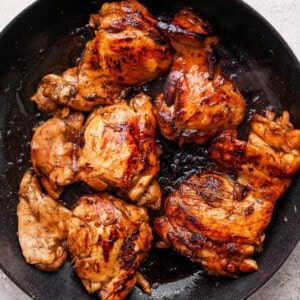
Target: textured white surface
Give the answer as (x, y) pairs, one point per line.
(284, 15)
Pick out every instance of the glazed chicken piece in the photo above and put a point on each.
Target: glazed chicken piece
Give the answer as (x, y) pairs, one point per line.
(198, 100)
(218, 218)
(269, 158)
(54, 151)
(128, 49)
(120, 152)
(109, 239)
(42, 226)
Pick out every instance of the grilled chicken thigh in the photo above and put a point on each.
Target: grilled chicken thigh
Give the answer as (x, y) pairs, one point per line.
(120, 151)
(218, 218)
(42, 225)
(198, 101)
(127, 50)
(269, 158)
(130, 47)
(54, 152)
(109, 240)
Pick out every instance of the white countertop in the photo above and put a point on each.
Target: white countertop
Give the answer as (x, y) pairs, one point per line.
(284, 15)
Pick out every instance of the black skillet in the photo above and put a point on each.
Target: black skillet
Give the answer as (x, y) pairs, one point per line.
(49, 37)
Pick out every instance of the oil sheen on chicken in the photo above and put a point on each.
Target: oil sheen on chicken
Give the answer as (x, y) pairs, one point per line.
(198, 100)
(42, 225)
(128, 49)
(120, 151)
(109, 239)
(218, 218)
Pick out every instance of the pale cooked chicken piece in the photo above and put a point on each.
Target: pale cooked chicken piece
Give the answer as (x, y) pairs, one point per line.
(109, 239)
(120, 151)
(218, 219)
(42, 226)
(54, 151)
(198, 101)
(128, 49)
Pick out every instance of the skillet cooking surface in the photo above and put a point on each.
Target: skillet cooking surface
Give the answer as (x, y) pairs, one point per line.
(49, 37)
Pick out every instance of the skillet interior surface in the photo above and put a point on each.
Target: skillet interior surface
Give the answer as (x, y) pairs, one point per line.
(49, 37)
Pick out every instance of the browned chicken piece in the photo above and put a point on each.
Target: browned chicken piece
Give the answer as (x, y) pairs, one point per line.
(198, 101)
(54, 152)
(218, 218)
(42, 226)
(127, 50)
(131, 49)
(206, 222)
(269, 158)
(120, 151)
(109, 239)
(78, 91)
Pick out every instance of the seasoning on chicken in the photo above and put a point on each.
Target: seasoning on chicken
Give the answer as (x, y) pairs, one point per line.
(109, 239)
(198, 100)
(120, 151)
(42, 226)
(128, 49)
(218, 218)
(54, 152)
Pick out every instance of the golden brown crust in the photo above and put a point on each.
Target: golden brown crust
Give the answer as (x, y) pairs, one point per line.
(198, 101)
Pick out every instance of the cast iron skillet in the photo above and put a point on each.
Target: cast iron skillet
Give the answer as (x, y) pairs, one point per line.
(49, 37)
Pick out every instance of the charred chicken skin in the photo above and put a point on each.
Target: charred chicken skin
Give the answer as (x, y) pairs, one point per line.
(109, 239)
(54, 152)
(218, 218)
(42, 226)
(120, 152)
(198, 100)
(127, 50)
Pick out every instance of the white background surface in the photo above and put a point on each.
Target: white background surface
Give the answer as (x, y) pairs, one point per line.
(284, 15)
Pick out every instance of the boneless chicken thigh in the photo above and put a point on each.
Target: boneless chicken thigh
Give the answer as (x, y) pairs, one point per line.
(42, 225)
(120, 151)
(128, 49)
(198, 100)
(54, 151)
